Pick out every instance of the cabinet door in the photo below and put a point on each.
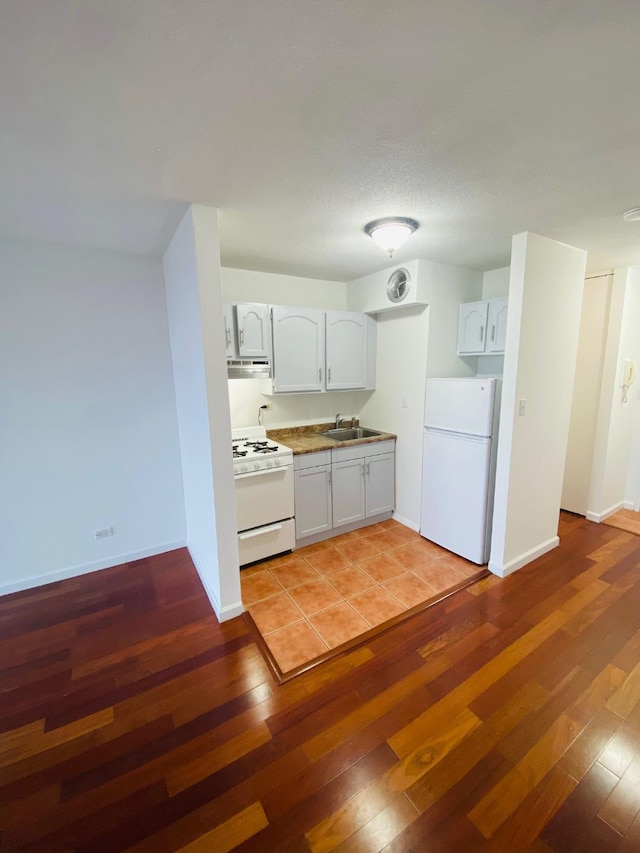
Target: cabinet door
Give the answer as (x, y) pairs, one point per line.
(346, 350)
(313, 500)
(253, 330)
(380, 483)
(298, 349)
(229, 331)
(347, 489)
(497, 325)
(472, 329)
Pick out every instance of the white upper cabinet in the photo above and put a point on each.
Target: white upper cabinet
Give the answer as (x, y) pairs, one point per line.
(472, 327)
(482, 327)
(229, 331)
(497, 325)
(346, 343)
(298, 349)
(253, 330)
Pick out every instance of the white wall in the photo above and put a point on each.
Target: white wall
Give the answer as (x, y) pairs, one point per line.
(413, 343)
(245, 397)
(272, 288)
(594, 323)
(194, 301)
(545, 292)
(615, 443)
(495, 283)
(88, 430)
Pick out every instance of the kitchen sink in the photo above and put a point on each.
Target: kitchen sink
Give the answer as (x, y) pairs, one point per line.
(350, 433)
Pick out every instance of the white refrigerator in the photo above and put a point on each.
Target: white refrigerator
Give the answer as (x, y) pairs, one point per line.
(458, 464)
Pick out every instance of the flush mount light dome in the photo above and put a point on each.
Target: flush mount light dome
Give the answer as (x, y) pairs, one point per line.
(391, 232)
(632, 215)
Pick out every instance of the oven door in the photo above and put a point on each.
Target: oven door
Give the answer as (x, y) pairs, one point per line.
(264, 497)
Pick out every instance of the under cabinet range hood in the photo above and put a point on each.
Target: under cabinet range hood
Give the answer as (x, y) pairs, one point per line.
(242, 368)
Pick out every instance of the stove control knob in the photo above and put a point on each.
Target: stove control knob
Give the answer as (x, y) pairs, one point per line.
(243, 467)
(277, 462)
(270, 463)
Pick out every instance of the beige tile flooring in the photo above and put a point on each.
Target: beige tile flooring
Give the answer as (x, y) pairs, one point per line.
(311, 601)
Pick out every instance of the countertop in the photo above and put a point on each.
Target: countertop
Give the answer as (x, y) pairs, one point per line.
(307, 439)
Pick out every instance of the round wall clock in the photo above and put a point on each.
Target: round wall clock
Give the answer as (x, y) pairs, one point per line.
(398, 285)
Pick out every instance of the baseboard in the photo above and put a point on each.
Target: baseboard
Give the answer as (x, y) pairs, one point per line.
(412, 525)
(597, 517)
(628, 505)
(87, 568)
(223, 614)
(513, 565)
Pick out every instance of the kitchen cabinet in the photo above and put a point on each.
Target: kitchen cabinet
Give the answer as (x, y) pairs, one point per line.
(497, 326)
(316, 351)
(312, 488)
(230, 331)
(298, 349)
(482, 327)
(247, 330)
(369, 493)
(348, 491)
(380, 483)
(342, 488)
(253, 330)
(346, 350)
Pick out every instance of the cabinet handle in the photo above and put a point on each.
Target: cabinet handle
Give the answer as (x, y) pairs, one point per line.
(227, 334)
(330, 477)
(368, 469)
(493, 334)
(363, 468)
(481, 334)
(329, 375)
(319, 374)
(241, 336)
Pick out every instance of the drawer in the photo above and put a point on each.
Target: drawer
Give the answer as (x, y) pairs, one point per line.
(265, 541)
(311, 460)
(359, 451)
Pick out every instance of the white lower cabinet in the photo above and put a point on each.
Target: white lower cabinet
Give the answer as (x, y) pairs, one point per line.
(341, 487)
(312, 488)
(380, 480)
(348, 491)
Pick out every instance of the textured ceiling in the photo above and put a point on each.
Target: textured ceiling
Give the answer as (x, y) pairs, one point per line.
(301, 120)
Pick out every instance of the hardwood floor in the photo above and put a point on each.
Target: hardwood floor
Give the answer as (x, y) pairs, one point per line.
(505, 718)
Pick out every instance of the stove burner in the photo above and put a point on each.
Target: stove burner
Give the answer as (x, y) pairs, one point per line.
(266, 450)
(256, 443)
(238, 453)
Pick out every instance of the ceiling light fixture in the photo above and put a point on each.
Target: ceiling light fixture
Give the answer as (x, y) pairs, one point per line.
(632, 215)
(391, 232)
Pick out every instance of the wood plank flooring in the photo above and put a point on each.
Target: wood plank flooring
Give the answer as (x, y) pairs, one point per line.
(504, 718)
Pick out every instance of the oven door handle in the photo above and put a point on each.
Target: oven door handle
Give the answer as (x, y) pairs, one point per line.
(262, 472)
(253, 533)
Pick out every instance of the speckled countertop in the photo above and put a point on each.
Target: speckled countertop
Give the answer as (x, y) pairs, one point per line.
(308, 439)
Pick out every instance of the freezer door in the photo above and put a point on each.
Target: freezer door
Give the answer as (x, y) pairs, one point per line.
(460, 405)
(455, 487)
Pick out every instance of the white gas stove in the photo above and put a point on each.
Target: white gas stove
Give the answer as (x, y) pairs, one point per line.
(263, 474)
(253, 451)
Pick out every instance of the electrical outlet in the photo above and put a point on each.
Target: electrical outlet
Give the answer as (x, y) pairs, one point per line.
(404, 402)
(267, 406)
(102, 534)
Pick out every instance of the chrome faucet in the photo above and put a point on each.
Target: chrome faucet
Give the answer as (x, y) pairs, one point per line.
(338, 420)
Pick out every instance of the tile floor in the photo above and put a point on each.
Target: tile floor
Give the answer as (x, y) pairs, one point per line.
(311, 601)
